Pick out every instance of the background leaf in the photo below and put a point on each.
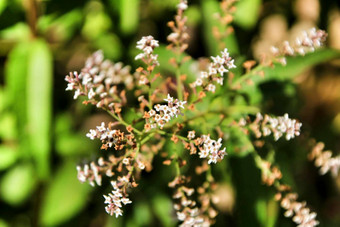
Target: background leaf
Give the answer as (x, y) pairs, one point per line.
(247, 13)
(64, 197)
(39, 105)
(18, 184)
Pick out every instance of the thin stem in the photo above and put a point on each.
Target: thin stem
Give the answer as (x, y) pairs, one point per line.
(179, 82)
(124, 123)
(147, 138)
(32, 17)
(247, 75)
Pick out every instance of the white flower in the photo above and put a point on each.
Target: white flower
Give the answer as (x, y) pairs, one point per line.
(91, 93)
(164, 113)
(198, 82)
(211, 88)
(70, 86)
(76, 94)
(183, 5)
(102, 127)
(169, 99)
(92, 134)
(204, 74)
(139, 56)
(211, 148)
(191, 135)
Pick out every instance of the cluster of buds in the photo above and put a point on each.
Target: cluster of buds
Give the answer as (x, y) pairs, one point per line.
(308, 42)
(278, 126)
(324, 160)
(124, 164)
(90, 173)
(225, 18)
(300, 214)
(99, 81)
(110, 137)
(162, 114)
(208, 148)
(179, 35)
(270, 173)
(117, 198)
(147, 44)
(219, 66)
(186, 209)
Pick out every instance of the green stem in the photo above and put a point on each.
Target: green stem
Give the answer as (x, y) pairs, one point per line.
(179, 82)
(247, 75)
(147, 138)
(120, 120)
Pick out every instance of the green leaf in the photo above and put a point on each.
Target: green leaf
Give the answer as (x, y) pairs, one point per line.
(294, 67)
(8, 130)
(64, 197)
(163, 57)
(3, 223)
(142, 214)
(8, 156)
(162, 207)
(39, 105)
(62, 28)
(3, 4)
(129, 15)
(3, 100)
(18, 32)
(110, 44)
(18, 184)
(261, 211)
(15, 79)
(97, 22)
(209, 8)
(72, 144)
(247, 13)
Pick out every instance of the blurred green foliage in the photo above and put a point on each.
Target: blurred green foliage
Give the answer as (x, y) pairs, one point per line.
(42, 132)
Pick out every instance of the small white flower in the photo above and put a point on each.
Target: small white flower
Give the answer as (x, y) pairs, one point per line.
(211, 88)
(198, 82)
(102, 127)
(70, 87)
(169, 99)
(92, 134)
(191, 135)
(204, 74)
(91, 93)
(182, 6)
(76, 94)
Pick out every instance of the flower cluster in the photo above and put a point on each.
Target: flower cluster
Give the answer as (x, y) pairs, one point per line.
(308, 42)
(99, 81)
(208, 148)
(147, 44)
(225, 17)
(271, 174)
(162, 114)
(217, 68)
(279, 126)
(110, 137)
(179, 35)
(324, 160)
(116, 199)
(298, 210)
(186, 209)
(89, 173)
